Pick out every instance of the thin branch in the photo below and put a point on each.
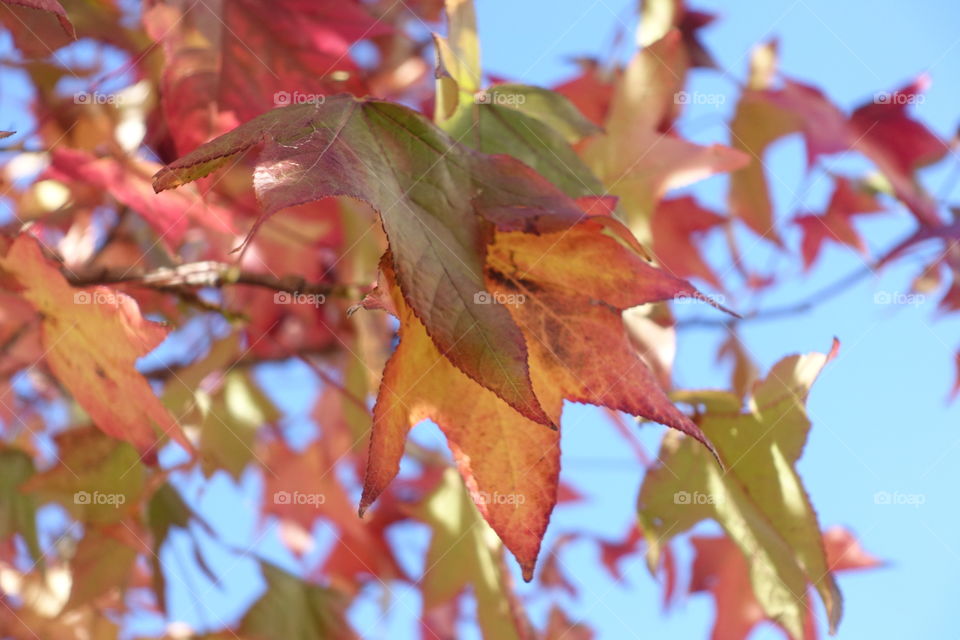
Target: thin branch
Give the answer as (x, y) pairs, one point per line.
(168, 370)
(807, 303)
(207, 274)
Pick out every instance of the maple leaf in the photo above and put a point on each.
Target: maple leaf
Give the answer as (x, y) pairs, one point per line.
(591, 91)
(899, 145)
(756, 124)
(510, 463)
(291, 609)
(17, 510)
(464, 550)
(674, 226)
(38, 26)
(166, 511)
(759, 500)
(640, 158)
(659, 17)
(881, 130)
(720, 568)
(92, 339)
(229, 62)
(835, 223)
(99, 480)
(579, 350)
(533, 125)
(127, 180)
(101, 562)
(560, 627)
(438, 202)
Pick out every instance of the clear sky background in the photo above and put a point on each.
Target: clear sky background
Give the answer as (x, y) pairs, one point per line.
(881, 421)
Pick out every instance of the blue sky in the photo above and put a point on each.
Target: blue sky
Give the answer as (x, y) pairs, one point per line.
(880, 419)
(879, 411)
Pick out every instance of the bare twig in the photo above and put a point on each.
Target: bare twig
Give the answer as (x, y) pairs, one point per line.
(205, 274)
(807, 303)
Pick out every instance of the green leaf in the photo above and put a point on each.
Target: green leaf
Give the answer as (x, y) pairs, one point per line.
(99, 564)
(292, 609)
(98, 479)
(17, 510)
(231, 421)
(464, 551)
(759, 500)
(533, 125)
(165, 511)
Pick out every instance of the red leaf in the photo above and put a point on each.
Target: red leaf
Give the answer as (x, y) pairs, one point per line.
(252, 55)
(38, 26)
(835, 224)
(675, 225)
(92, 339)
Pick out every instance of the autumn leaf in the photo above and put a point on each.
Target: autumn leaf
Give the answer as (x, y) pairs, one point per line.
(96, 331)
(591, 90)
(464, 550)
(128, 180)
(720, 568)
(570, 317)
(900, 145)
(100, 563)
(38, 26)
(659, 17)
(511, 464)
(882, 130)
(229, 63)
(17, 510)
(165, 512)
(438, 202)
(835, 224)
(640, 158)
(759, 500)
(99, 480)
(579, 350)
(291, 609)
(533, 125)
(676, 225)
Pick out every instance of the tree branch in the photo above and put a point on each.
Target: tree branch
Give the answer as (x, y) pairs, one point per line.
(204, 274)
(809, 302)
